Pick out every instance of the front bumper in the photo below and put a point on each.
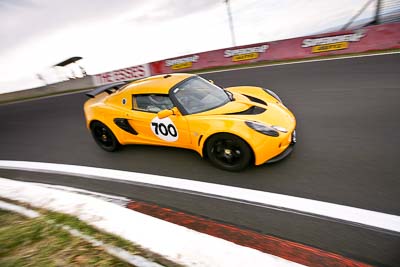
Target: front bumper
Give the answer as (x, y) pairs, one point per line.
(286, 152)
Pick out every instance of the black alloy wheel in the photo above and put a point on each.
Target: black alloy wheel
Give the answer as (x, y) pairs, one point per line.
(228, 152)
(104, 136)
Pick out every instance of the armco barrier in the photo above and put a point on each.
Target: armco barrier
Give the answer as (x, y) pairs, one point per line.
(380, 37)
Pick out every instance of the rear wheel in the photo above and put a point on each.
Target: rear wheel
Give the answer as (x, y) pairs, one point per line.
(104, 137)
(228, 152)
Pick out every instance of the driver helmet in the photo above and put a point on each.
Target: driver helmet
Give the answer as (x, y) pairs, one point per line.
(157, 99)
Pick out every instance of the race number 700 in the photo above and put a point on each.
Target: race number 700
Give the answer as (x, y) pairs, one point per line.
(161, 128)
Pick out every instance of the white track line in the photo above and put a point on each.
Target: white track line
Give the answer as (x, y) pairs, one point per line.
(120, 253)
(19, 209)
(340, 212)
(176, 243)
(300, 61)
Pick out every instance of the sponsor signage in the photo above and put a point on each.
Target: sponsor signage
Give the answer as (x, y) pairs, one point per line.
(182, 63)
(330, 47)
(126, 74)
(332, 43)
(378, 37)
(242, 54)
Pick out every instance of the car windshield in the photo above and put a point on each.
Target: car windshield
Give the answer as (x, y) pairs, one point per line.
(197, 95)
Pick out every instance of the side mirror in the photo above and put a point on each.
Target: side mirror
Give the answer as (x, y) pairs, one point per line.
(165, 113)
(175, 111)
(168, 112)
(211, 81)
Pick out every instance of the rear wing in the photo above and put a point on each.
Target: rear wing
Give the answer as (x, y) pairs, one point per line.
(109, 88)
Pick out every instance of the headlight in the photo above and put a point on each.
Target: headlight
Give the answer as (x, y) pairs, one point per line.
(262, 128)
(280, 128)
(273, 94)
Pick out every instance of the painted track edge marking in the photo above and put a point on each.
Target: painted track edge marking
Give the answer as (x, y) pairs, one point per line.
(372, 219)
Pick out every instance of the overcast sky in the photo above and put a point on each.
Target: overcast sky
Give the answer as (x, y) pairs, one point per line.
(36, 34)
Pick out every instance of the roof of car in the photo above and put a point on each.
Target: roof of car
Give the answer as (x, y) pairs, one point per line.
(159, 84)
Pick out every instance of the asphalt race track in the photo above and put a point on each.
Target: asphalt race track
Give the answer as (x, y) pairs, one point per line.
(348, 115)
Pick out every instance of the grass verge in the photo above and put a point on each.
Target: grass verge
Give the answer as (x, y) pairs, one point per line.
(37, 242)
(34, 242)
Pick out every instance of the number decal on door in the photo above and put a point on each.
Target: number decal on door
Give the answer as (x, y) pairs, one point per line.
(164, 129)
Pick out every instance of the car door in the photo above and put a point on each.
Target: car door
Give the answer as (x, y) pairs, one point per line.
(170, 131)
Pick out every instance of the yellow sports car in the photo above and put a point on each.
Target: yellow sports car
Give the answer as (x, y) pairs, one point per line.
(232, 127)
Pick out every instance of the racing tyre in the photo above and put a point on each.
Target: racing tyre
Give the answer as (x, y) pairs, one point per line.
(104, 136)
(228, 152)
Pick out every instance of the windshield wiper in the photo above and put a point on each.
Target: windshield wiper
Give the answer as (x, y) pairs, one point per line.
(230, 95)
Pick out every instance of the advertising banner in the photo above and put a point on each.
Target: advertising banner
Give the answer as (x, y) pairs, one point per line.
(380, 37)
(125, 74)
(216, 58)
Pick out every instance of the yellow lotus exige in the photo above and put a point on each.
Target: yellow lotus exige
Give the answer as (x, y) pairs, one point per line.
(232, 127)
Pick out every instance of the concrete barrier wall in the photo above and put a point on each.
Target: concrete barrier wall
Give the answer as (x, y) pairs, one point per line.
(373, 38)
(55, 88)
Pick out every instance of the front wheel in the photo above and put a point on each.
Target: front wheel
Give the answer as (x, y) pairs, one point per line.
(228, 152)
(104, 137)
